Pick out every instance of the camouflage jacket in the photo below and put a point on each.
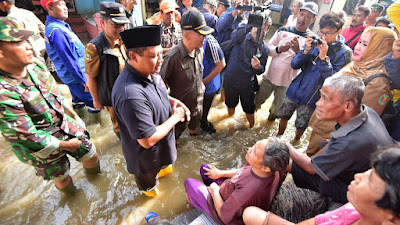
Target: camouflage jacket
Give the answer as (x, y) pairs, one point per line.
(32, 110)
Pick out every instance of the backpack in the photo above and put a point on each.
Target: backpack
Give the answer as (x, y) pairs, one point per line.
(226, 48)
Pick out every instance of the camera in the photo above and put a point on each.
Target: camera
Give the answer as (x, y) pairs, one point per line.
(260, 13)
(256, 20)
(316, 41)
(265, 6)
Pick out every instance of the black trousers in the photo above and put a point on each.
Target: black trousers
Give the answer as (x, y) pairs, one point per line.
(208, 99)
(146, 181)
(334, 188)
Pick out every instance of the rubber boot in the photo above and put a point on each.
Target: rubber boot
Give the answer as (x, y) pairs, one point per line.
(153, 193)
(94, 170)
(81, 112)
(165, 171)
(70, 189)
(95, 118)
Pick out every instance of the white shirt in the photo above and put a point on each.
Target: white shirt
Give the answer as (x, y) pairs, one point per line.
(291, 21)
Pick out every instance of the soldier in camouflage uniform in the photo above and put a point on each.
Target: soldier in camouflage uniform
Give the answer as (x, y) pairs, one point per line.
(34, 115)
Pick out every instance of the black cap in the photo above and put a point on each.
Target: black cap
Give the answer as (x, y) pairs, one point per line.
(194, 20)
(226, 3)
(114, 11)
(142, 36)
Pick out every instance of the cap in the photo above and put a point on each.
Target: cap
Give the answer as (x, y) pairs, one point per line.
(114, 11)
(226, 3)
(168, 6)
(213, 3)
(377, 7)
(311, 7)
(12, 31)
(142, 36)
(46, 3)
(194, 20)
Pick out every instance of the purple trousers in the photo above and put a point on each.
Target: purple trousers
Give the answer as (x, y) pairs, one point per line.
(197, 192)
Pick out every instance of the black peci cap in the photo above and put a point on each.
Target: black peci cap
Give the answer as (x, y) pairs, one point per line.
(142, 36)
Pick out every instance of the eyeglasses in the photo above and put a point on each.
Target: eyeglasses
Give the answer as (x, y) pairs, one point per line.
(320, 33)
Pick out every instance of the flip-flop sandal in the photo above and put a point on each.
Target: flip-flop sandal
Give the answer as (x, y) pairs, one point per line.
(152, 217)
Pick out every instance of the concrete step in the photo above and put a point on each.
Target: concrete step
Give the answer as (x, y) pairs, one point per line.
(77, 23)
(74, 19)
(79, 28)
(194, 217)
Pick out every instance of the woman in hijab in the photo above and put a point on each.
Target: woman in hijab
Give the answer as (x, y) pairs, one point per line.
(368, 58)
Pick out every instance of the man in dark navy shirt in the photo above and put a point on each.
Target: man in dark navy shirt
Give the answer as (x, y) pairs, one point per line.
(245, 61)
(145, 113)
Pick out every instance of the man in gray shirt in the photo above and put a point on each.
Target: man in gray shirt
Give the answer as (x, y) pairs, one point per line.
(359, 132)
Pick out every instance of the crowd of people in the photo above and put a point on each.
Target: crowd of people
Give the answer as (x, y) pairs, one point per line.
(158, 79)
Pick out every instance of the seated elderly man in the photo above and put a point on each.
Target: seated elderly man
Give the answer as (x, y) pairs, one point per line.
(231, 191)
(359, 132)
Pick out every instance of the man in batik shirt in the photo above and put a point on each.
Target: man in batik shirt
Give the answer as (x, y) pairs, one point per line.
(171, 32)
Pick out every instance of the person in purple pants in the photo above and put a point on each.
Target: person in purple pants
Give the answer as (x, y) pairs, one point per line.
(226, 193)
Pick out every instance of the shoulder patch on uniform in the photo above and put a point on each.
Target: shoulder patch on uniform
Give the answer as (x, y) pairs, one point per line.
(90, 51)
(88, 57)
(383, 99)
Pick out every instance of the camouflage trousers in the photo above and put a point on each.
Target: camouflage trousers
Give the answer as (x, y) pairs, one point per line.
(56, 166)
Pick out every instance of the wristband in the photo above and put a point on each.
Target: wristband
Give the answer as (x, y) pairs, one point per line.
(277, 50)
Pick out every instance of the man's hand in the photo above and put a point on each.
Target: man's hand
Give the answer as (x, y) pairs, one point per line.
(70, 145)
(130, 5)
(255, 63)
(285, 47)
(235, 12)
(213, 189)
(308, 44)
(86, 87)
(295, 45)
(97, 104)
(213, 172)
(178, 104)
(179, 112)
(396, 49)
(323, 49)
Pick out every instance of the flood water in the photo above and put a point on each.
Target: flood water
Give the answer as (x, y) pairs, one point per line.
(112, 197)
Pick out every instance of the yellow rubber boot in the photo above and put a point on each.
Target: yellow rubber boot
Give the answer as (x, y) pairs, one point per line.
(165, 171)
(153, 193)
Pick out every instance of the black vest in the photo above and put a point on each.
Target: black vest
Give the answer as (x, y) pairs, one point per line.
(109, 69)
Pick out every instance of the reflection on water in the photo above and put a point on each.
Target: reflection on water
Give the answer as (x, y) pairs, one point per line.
(112, 197)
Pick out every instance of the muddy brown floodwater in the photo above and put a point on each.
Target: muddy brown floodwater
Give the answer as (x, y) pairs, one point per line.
(112, 197)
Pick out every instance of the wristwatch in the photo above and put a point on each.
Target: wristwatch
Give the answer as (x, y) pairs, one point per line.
(326, 60)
